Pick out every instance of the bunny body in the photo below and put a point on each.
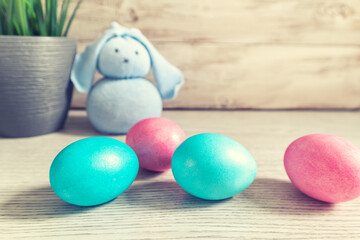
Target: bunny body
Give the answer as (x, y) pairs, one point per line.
(123, 97)
(114, 106)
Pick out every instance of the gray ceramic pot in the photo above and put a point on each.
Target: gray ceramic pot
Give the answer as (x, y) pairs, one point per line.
(35, 90)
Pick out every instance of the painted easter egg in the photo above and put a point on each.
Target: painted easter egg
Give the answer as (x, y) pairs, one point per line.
(93, 171)
(212, 166)
(154, 140)
(324, 167)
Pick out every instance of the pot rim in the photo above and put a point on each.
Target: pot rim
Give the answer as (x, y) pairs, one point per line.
(37, 38)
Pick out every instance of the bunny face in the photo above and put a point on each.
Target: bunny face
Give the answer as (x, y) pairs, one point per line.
(124, 57)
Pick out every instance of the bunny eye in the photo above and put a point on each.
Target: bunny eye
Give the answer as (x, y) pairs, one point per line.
(136, 52)
(116, 50)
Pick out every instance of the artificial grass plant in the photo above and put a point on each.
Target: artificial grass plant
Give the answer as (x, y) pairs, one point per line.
(30, 18)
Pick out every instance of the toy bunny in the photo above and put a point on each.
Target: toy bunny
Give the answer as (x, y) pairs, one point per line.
(123, 97)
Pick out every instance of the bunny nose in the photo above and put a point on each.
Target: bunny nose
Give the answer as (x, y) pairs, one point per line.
(126, 60)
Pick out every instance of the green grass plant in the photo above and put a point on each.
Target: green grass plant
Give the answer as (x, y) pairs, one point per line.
(36, 17)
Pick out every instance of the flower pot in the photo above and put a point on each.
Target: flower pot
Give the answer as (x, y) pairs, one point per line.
(35, 87)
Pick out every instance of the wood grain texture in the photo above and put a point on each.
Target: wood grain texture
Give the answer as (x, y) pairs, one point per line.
(233, 76)
(245, 54)
(155, 207)
(247, 21)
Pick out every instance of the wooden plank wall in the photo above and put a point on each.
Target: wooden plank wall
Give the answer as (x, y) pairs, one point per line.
(264, 54)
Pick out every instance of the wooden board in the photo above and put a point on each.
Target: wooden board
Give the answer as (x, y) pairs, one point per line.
(247, 21)
(245, 54)
(155, 207)
(286, 76)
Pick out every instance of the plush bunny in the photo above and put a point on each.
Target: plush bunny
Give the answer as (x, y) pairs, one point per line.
(123, 97)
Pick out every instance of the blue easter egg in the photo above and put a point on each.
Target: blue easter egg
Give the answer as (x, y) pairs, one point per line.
(93, 171)
(212, 166)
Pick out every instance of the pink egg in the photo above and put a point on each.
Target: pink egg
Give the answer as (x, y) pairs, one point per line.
(324, 167)
(154, 141)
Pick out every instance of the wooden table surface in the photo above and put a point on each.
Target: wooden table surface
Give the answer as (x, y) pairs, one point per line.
(155, 207)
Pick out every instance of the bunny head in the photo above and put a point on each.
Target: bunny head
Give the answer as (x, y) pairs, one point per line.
(124, 53)
(124, 57)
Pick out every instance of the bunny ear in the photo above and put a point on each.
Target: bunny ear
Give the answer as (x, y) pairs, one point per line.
(169, 78)
(117, 27)
(84, 66)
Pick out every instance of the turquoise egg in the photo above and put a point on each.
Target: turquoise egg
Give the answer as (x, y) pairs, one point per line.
(93, 171)
(212, 166)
